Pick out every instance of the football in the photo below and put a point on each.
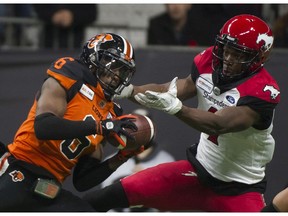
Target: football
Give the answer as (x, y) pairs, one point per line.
(144, 134)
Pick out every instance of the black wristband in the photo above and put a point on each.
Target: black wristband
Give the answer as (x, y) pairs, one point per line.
(48, 126)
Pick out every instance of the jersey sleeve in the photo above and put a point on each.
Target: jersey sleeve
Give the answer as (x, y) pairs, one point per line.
(201, 63)
(71, 75)
(261, 94)
(67, 71)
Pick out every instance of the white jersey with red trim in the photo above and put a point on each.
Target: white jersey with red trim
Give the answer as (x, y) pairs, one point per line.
(238, 156)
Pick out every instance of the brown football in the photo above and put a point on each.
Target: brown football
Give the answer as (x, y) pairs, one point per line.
(144, 134)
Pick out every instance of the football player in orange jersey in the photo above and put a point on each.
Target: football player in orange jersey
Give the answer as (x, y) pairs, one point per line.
(71, 115)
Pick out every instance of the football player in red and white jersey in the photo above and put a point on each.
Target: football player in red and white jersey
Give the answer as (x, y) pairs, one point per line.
(71, 115)
(237, 97)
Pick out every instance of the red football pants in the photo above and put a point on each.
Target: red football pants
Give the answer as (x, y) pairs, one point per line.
(175, 187)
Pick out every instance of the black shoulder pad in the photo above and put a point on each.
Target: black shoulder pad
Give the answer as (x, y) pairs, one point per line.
(68, 67)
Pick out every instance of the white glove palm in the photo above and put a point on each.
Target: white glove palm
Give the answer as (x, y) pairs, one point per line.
(166, 101)
(126, 92)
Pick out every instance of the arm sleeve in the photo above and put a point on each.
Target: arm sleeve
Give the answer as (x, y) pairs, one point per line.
(90, 172)
(47, 126)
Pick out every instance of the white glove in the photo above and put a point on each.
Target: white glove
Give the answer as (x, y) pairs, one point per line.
(166, 101)
(126, 92)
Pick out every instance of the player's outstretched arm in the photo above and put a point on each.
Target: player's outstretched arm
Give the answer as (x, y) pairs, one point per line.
(131, 90)
(231, 119)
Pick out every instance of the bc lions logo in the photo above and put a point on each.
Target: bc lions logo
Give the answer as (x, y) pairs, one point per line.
(99, 38)
(268, 40)
(274, 92)
(17, 176)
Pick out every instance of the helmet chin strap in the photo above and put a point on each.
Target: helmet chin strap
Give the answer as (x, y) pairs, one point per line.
(108, 96)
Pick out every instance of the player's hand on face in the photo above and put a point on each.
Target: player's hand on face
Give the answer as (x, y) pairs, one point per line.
(166, 101)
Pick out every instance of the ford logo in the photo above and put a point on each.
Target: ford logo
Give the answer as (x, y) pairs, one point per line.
(230, 99)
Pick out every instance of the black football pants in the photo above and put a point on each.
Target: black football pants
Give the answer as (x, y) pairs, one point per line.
(16, 194)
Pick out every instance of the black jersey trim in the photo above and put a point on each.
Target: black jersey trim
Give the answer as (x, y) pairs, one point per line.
(265, 109)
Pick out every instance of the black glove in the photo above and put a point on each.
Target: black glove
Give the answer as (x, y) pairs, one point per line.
(116, 126)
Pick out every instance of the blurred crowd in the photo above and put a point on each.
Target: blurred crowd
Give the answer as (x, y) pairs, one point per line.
(64, 25)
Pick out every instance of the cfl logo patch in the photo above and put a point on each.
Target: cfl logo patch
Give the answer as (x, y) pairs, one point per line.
(17, 176)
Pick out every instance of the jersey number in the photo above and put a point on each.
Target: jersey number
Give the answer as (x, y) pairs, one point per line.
(213, 138)
(71, 148)
(60, 62)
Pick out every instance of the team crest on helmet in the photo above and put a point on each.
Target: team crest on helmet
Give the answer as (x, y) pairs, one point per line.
(268, 40)
(17, 176)
(99, 38)
(274, 92)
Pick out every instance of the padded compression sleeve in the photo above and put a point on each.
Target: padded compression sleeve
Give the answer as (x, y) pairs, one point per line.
(47, 126)
(90, 172)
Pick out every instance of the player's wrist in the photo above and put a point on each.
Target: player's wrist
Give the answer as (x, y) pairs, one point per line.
(98, 127)
(177, 106)
(122, 156)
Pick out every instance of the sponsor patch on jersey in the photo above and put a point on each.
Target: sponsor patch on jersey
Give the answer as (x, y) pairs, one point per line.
(17, 176)
(204, 84)
(87, 92)
(230, 99)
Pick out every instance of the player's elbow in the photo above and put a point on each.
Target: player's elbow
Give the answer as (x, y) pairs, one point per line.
(216, 130)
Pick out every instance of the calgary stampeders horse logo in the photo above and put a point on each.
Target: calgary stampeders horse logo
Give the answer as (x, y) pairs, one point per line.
(273, 91)
(99, 38)
(268, 40)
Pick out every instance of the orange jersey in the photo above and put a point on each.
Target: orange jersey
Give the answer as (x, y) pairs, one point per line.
(85, 99)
